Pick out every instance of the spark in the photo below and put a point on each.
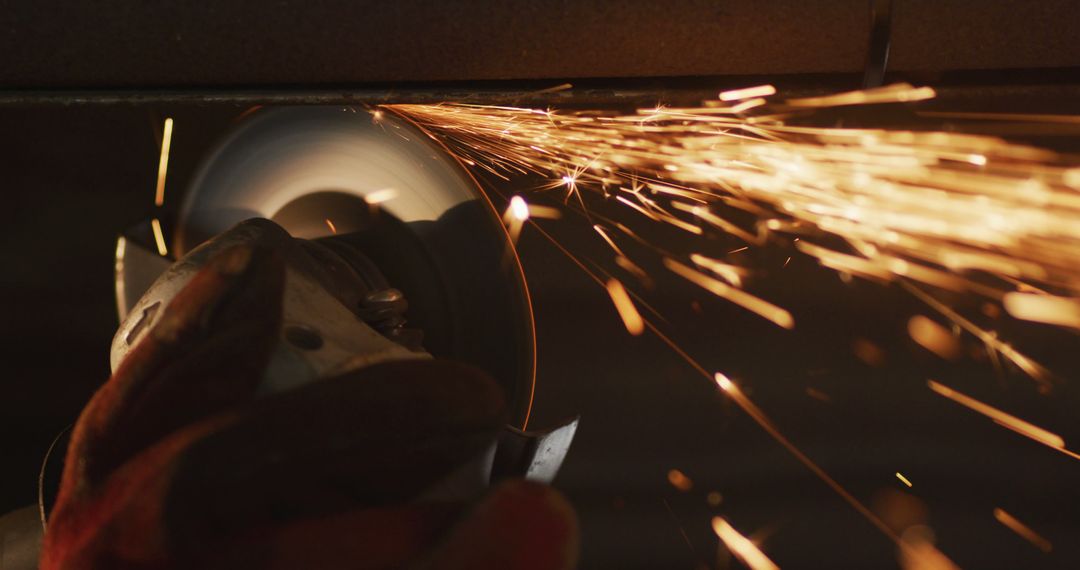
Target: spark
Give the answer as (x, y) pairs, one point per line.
(557, 88)
(330, 224)
(1042, 308)
(733, 274)
(930, 208)
(724, 383)
(519, 208)
(955, 212)
(536, 211)
(159, 237)
(747, 105)
(903, 479)
(118, 272)
(517, 213)
(868, 352)
(751, 409)
(627, 312)
(743, 548)
(934, 337)
(163, 163)
(763, 308)
(748, 93)
(1023, 530)
(1001, 418)
(901, 92)
(679, 480)
(1033, 369)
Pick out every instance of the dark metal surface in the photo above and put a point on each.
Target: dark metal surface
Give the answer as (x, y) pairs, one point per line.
(127, 43)
(117, 44)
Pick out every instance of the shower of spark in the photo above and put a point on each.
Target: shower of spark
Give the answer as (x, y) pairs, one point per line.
(957, 212)
(934, 212)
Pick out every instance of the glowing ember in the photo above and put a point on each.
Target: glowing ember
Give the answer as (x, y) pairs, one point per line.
(629, 314)
(903, 479)
(934, 337)
(1001, 418)
(679, 480)
(159, 237)
(517, 213)
(723, 382)
(743, 549)
(738, 296)
(163, 162)
(868, 352)
(1023, 530)
(1043, 308)
(330, 224)
(748, 93)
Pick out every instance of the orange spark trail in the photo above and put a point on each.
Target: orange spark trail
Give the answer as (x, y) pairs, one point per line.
(163, 163)
(627, 312)
(159, 237)
(1001, 418)
(742, 547)
(748, 407)
(1023, 530)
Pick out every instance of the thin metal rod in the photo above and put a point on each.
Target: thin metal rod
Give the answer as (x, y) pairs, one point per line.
(877, 57)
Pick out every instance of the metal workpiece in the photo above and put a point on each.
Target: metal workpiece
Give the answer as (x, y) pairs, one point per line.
(534, 455)
(877, 53)
(54, 45)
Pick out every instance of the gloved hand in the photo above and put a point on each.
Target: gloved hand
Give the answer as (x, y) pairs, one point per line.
(175, 463)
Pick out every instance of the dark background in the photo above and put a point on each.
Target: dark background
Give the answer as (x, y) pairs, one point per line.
(73, 177)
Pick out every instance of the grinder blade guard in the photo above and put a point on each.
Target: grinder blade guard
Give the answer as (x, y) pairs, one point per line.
(373, 184)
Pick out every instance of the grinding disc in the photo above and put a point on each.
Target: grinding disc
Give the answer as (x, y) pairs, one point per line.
(417, 213)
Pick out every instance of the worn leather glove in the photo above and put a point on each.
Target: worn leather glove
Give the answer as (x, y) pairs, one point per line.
(175, 463)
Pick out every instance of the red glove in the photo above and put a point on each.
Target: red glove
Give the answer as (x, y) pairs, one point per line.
(175, 463)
